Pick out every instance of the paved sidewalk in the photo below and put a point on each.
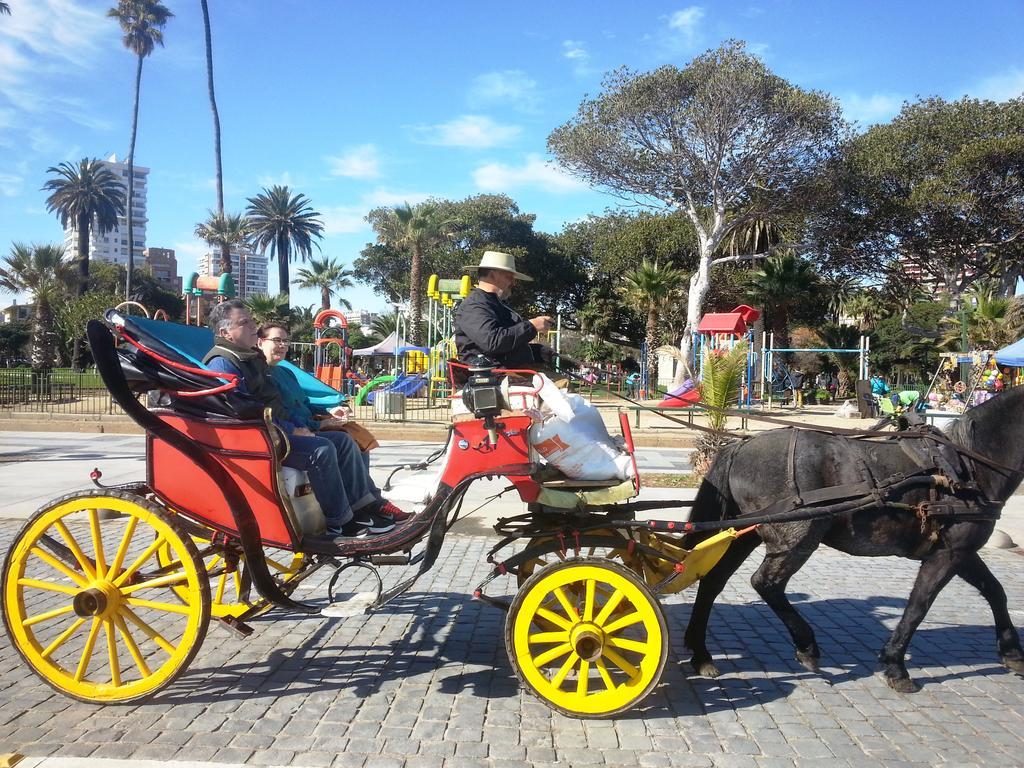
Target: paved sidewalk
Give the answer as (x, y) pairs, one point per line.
(426, 682)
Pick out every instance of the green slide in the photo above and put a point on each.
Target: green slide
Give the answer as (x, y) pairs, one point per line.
(371, 385)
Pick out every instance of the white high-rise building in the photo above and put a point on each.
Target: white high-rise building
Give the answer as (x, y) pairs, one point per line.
(361, 317)
(248, 270)
(113, 245)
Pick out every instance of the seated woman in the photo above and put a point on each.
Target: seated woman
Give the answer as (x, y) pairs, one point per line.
(363, 494)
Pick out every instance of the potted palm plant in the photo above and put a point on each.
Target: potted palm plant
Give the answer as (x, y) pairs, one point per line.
(721, 377)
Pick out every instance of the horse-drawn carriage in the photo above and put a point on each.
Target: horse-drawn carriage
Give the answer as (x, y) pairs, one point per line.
(108, 593)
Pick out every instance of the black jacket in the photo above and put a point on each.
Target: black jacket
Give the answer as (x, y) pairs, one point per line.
(486, 326)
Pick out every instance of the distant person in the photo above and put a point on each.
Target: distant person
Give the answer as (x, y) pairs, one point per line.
(633, 385)
(796, 379)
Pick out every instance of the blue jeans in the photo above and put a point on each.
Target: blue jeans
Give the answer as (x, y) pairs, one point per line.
(354, 466)
(319, 459)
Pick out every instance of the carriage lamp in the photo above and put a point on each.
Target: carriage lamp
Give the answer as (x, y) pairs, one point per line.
(482, 396)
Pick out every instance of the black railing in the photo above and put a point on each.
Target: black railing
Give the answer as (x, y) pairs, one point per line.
(57, 390)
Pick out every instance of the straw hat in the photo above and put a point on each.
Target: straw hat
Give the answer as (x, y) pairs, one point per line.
(506, 262)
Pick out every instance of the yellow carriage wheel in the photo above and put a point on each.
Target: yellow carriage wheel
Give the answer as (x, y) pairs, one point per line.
(555, 554)
(587, 636)
(91, 609)
(230, 595)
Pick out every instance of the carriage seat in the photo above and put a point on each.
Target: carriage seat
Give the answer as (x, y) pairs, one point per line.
(308, 515)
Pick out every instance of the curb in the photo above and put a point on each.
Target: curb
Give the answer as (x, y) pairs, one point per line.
(396, 431)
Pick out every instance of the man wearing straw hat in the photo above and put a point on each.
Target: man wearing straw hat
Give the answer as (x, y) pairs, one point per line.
(487, 327)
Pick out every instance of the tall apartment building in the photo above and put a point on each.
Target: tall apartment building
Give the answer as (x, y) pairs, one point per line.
(360, 317)
(248, 270)
(164, 268)
(113, 245)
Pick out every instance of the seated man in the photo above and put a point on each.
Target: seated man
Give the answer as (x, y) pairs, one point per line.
(487, 327)
(273, 341)
(234, 351)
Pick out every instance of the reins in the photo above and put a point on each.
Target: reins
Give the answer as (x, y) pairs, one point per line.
(935, 436)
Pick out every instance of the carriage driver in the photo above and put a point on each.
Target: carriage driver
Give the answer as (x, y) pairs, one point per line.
(487, 327)
(234, 351)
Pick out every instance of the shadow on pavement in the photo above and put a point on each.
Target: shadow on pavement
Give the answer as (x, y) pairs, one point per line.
(459, 643)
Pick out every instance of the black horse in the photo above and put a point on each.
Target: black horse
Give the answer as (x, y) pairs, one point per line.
(931, 501)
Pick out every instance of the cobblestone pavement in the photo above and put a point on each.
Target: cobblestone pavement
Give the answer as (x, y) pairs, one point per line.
(426, 682)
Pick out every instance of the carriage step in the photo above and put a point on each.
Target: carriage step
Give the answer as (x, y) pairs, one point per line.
(390, 559)
(353, 604)
(236, 626)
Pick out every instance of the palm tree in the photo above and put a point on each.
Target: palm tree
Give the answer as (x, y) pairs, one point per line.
(383, 326)
(265, 308)
(993, 321)
(224, 231)
(41, 271)
(5, 8)
(721, 376)
(412, 231)
(777, 286)
(213, 107)
(285, 223)
(329, 277)
(142, 22)
(649, 288)
(864, 306)
(84, 196)
(837, 336)
(838, 290)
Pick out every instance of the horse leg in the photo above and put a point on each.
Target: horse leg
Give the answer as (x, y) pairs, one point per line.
(935, 573)
(974, 571)
(770, 581)
(708, 590)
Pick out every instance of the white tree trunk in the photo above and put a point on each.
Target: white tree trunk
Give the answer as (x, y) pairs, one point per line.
(700, 284)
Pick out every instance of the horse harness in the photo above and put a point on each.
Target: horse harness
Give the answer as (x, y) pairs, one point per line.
(943, 469)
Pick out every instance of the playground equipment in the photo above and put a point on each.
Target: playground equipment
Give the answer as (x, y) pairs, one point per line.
(718, 331)
(198, 289)
(333, 375)
(769, 365)
(127, 305)
(442, 297)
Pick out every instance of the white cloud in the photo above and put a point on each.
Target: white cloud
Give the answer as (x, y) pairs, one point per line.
(471, 131)
(1009, 85)
(344, 219)
(575, 50)
(351, 219)
(499, 177)
(362, 162)
(685, 23)
(512, 87)
(10, 184)
(282, 179)
(869, 110)
(382, 196)
(51, 34)
(191, 249)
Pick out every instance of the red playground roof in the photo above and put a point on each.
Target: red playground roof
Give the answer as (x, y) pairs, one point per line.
(735, 322)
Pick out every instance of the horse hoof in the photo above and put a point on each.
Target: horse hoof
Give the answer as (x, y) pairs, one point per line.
(808, 661)
(902, 684)
(1014, 665)
(705, 668)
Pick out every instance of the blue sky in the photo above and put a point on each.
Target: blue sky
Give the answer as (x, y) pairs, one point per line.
(360, 104)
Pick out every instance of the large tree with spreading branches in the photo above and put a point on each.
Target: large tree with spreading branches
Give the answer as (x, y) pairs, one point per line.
(725, 141)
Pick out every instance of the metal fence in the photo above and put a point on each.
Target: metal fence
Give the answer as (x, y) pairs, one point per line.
(59, 390)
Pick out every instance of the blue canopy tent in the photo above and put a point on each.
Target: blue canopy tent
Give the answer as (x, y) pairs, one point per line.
(193, 342)
(1012, 355)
